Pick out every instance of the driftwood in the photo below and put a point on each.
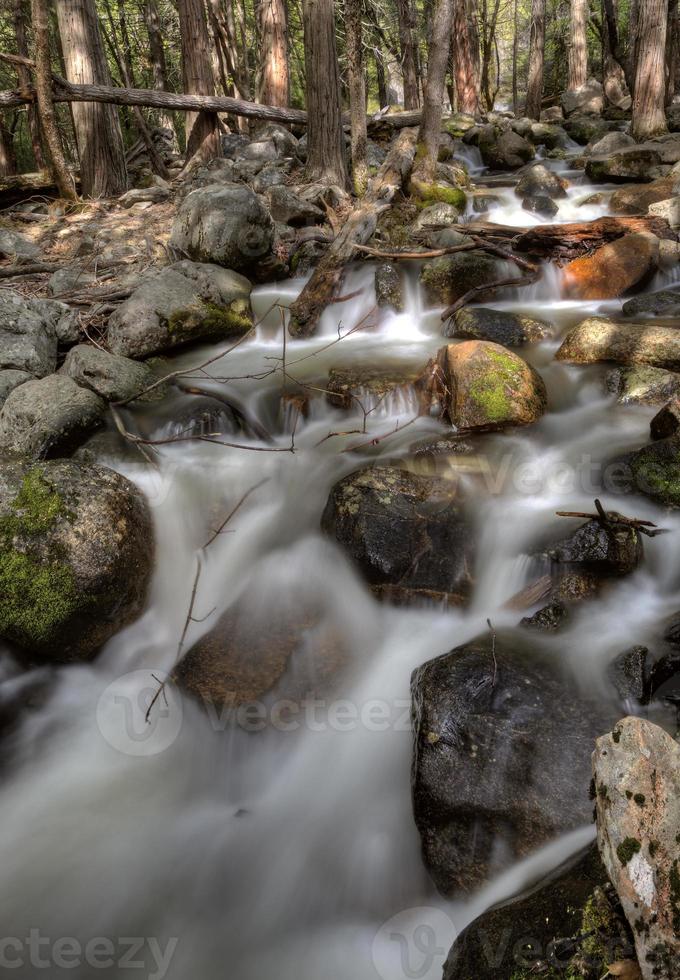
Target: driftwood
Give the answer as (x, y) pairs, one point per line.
(473, 293)
(611, 517)
(28, 269)
(359, 227)
(567, 242)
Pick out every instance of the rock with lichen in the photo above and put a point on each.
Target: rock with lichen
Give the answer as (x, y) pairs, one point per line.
(598, 339)
(183, 303)
(389, 289)
(76, 555)
(498, 326)
(110, 376)
(450, 277)
(640, 384)
(49, 417)
(653, 470)
(636, 769)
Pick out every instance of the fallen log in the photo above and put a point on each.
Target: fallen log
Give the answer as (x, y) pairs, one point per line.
(327, 278)
(567, 242)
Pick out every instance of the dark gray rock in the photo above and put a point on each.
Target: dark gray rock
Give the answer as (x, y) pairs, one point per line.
(113, 377)
(287, 207)
(49, 417)
(541, 182)
(544, 206)
(9, 380)
(508, 329)
(664, 303)
(607, 549)
(389, 290)
(448, 278)
(667, 421)
(628, 674)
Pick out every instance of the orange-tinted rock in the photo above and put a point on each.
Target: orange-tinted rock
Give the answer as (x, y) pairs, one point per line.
(613, 269)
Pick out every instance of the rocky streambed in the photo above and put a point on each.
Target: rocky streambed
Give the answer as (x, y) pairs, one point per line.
(309, 644)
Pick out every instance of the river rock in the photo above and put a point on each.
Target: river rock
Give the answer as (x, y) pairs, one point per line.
(408, 534)
(436, 215)
(225, 225)
(354, 388)
(49, 417)
(588, 98)
(539, 930)
(539, 181)
(664, 303)
(611, 143)
(113, 377)
(553, 114)
(9, 380)
(626, 166)
(543, 206)
(551, 137)
(612, 269)
(600, 339)
(636, 770)
(503, 740)
(586, 129)
(28, 340)
(666, 422)
(184, 302)
(668, 209)
(448, 278)
(605, 549)
(638, 198)
(654, 471)
(489, 387)
(498, 326)
(288, 208)
(643, 385)
(389, 290)
(504, 150)
(76, 555)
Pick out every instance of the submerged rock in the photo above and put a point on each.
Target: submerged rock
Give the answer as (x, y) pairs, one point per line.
(503, 741)
(654, 471)
(408, 534)
(643, 385)
(613, 269)
(636, 770)
(488, 387)
(664, 303)
(498, 326)
(600, 339)
(111, 376)
(76, 554)
(352, 388)
(389, 290)
(187, 301)
(49, 417)
(447, 279)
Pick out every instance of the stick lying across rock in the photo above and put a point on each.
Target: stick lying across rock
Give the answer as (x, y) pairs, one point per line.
(612, 517)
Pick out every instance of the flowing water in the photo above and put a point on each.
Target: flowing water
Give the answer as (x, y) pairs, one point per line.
(291, 851)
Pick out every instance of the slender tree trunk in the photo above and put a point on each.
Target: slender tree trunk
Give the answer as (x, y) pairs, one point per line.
(578, 46)
(430, 125)
(8, 160)
(672, 53)
(157, 56)
(326, 159)
(466, 56)
(25, 81)
(515, 53)
(274, 80)
(409, 52)
(536, 60)
(98, 135)
(631, 60)
(203, 133)
(649, 99)
(613, 76)
(43, 89)
(356, 80)
(488, 51)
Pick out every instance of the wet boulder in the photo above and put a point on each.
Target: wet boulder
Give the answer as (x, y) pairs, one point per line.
(598, 339)
(667, 421)
(408, 534)
(488, 387)
(588, 99)
(359, 388)
(9, 380)
(498, 326)
(664, 303)
(224, 224)
(450, 277)
(183, 303)
(643, 385)
(111, 376)
(653, 471)
(636, 769)
(539, 181)
(49, 417)
(543, 206)
(605, 548)
(76, 555)
(625, 166)
(628, 672)
(389, 289)
(551, 137)
(503, 149)
(502, 745)
(613, 269)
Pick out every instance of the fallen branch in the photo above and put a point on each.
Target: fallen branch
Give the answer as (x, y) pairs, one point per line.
(28, 269)
(476, 290)
(612, 517)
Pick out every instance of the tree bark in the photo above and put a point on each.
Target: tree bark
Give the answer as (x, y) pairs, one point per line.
(43, 83)
(515, 52)
(203, 133)
(430, 123)
(356, 81)
(24, 77)
(466, 66)
(8, 160)
(157, 57)
(408, 43)
(672, 52)
(325, 137)
(488, 51)
(578, 46)
(536, 60)
(327, 278)
(649, 97)
(615, 83)
(274, 79)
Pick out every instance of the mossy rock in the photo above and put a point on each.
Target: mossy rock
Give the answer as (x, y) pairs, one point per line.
(76, 550)
(653, 471)
(450, 277)
(435, 192)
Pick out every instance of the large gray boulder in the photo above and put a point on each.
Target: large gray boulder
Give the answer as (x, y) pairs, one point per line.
(76, 555)
(27, 338)
(588, 99)
(184, 302)
(49, 417)
(643, 385)
(224, 224)
(611, 143)
(502, 745)
(498, 326)
(625, 166)
(597, 339)
(111, 376)
(539, 181)
(636, 769)
(9, 380)
(504, 150)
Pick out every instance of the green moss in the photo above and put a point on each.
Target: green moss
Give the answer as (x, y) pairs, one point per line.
(657, 478)
(627, 849)
(35, 508)
(211, 319)
(432, 193)
(493, 390)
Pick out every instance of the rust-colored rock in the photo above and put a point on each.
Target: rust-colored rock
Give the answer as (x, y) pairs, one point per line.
(613, 269)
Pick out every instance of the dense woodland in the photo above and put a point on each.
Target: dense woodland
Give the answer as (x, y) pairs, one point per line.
(356, 56)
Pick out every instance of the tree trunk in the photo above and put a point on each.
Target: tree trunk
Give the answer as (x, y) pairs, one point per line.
(8, 160)
(430, 124)
(357, 95)
(536, 60)
(466, 56)
(631, 60)
(672, 53)
(515, 52)
(203, 134)
(614, 80)
(157, 57)
(649, 98)
(488, 51)
(274, 80)
(43, 85)
(578, 46)
(24, 78)
(325, 137)
(409, 52)
(98, 135)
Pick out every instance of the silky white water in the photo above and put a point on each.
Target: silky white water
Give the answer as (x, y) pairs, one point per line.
(229, 852)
